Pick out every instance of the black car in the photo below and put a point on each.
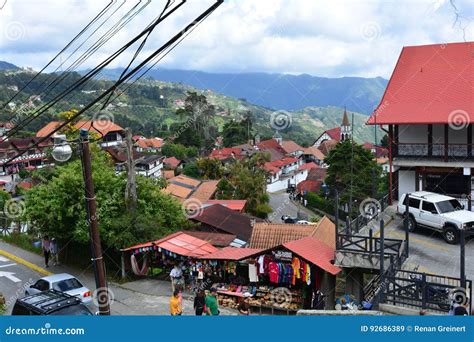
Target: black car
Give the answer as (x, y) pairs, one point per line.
(50, 303)
(289, 219)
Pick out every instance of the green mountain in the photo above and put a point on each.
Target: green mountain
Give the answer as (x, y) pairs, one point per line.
(149, 108)
(280, 91)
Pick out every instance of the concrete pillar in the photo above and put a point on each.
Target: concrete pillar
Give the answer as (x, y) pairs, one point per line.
(355, 283)
(328, 288)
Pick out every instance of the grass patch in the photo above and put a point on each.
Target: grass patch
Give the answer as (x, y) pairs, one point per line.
(24, 241)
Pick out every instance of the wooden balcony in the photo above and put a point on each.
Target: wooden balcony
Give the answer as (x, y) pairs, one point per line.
(433, 151)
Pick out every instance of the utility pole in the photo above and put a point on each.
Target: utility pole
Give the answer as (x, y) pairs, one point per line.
(131, 189)
(102, 293)
(462, 237)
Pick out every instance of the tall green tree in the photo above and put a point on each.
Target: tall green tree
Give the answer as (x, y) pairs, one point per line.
(237, 132)
(56, 207)
(210, 168)
(246, 179)
(353, 171)
(199, 128)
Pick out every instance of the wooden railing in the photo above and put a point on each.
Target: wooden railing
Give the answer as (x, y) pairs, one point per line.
(435, 150)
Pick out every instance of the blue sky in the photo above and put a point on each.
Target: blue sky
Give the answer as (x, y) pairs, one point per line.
(324, 38)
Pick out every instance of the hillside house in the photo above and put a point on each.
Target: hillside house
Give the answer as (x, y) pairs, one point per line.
(34, 158)
(427, 108)
(149, 166)
(284, 173)
(110, 133)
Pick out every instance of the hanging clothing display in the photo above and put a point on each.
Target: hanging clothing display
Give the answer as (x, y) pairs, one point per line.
(253, 276)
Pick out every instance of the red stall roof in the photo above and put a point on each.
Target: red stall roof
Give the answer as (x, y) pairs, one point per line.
(233, 253)
(431, 84)
(315, 252)
(179, 243)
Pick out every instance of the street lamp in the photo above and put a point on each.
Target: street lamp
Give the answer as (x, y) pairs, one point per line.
(62, 151)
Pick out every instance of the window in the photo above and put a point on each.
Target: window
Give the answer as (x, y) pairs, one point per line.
(414, 203)
(67, 285)
(429, 207)
(449, 205)
(41, 285)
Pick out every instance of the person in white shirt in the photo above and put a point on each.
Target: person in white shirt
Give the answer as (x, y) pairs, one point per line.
(176, 276)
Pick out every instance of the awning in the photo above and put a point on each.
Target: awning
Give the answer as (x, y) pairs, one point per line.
(315, 252)
(233, 253)
(178, 243)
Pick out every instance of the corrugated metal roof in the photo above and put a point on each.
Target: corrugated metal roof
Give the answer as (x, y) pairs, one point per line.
(179, 243)
(431, 84)
(315, 252)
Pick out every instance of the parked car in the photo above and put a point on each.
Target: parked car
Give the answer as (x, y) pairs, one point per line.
(441, 213)
(50, 303)
(291, 188)
(289, 219)
(62, 282)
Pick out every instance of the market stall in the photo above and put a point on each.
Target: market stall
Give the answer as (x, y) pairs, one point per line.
(284, 278)
(178, 249)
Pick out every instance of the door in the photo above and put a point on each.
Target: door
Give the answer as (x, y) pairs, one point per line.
(429, 216)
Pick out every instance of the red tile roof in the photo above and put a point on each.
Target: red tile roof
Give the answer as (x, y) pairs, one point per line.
(276, 165)
(273, 147)
(318, 174)
(226, 153)
(309, 185)
(431, 84)
(233, 253)
(290, 146)
(315, 252)
(237, 205)
(100, 126)
(379, 150)
(150, 143)
(334, 133)
(179, 243)
(172, 162)
(309, 166)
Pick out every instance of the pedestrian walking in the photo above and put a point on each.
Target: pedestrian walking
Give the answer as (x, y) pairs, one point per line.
(212, 307)
(176, 308)
(199, 303)
(176, 276)
(46, 247)
(53, 248)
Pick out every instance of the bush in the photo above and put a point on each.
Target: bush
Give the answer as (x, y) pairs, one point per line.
(262, 210)
(24, 241)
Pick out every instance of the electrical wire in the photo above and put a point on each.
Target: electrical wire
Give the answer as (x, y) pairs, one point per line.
(91, 74)
(131, 73)
(97, 17)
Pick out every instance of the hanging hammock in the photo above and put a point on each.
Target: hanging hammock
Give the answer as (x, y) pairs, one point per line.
(136, 269)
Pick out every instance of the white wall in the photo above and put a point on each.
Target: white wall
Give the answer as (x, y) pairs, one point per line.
(282, 182)
(406, 182)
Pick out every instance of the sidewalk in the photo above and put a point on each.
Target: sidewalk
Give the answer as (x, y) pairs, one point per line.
(140, 297)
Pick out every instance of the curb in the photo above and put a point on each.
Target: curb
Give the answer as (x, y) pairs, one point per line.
(25, 263)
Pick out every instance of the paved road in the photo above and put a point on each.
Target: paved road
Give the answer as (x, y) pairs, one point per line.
(281, 205)
(143, 297)
(433, 255)
(14, 278)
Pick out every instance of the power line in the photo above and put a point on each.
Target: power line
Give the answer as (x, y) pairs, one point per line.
(134, 71)
(91, 74)
(97, 17)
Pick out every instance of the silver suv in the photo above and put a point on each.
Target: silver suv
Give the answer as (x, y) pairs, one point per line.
(438, 212)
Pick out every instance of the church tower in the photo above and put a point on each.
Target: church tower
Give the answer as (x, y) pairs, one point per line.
(346, 130)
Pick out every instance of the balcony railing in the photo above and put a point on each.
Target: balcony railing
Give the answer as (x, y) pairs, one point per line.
(425, 150)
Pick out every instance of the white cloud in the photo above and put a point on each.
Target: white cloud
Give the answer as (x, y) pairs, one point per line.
(337, 38)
